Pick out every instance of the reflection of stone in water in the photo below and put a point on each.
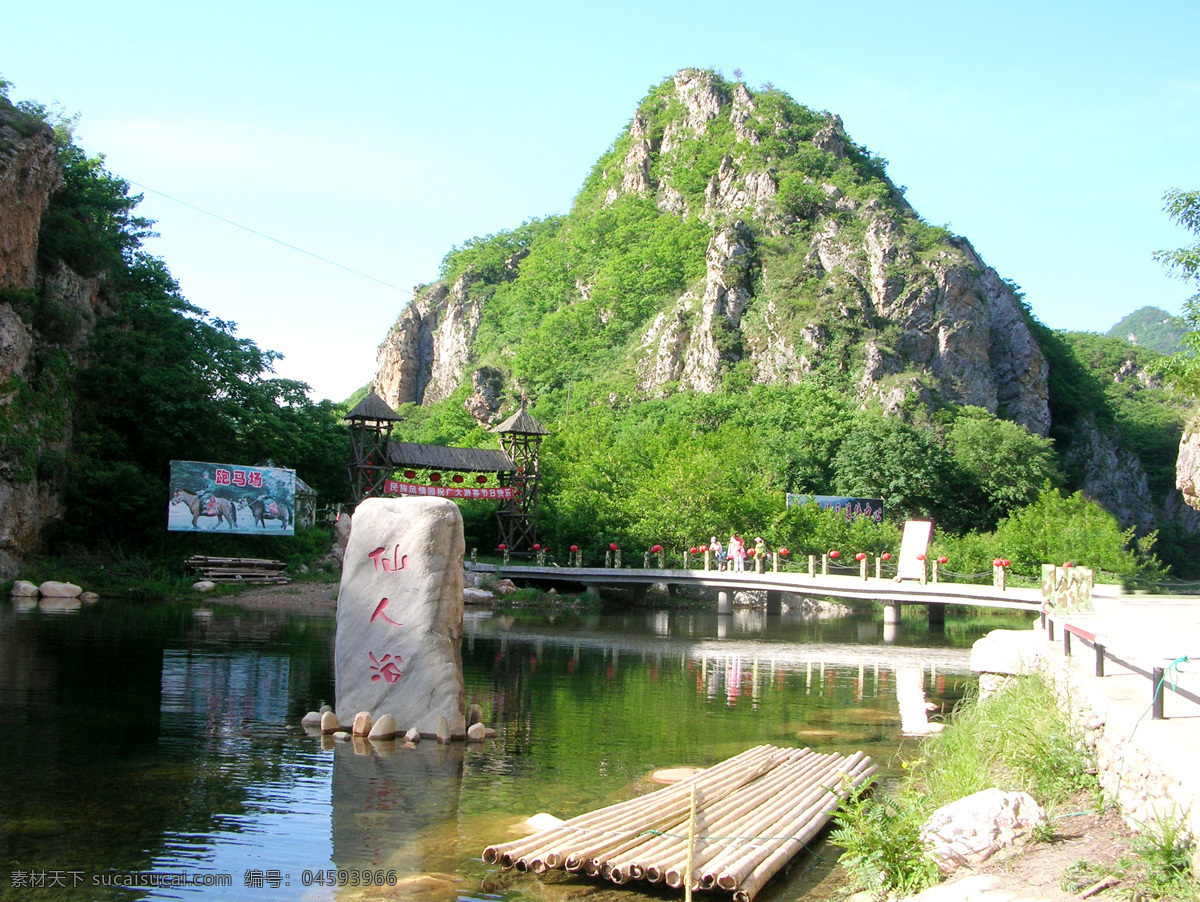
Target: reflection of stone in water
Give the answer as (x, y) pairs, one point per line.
(53, 605)
(384, 808)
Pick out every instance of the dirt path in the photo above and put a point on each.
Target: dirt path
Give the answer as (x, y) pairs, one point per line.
(297, 596)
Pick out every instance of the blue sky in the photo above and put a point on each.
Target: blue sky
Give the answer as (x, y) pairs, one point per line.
(378, 135)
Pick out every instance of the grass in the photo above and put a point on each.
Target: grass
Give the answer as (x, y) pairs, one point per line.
(1014, 740)
(1159, 869)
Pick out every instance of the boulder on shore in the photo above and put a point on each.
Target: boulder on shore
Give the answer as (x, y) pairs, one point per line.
(55, 589)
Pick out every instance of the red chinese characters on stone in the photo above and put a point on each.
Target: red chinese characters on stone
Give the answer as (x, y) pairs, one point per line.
(397, 561)
(386, 668)
(379, 612)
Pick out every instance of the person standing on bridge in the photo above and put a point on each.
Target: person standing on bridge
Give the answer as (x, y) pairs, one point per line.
(718, 553)
(737, 550)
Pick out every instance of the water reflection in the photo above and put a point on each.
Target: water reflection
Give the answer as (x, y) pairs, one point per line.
(165, 737)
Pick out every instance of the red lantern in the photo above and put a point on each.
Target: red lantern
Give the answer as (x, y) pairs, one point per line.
(887, 555)
(537, 547)
(996, 562)
(943, 559)
(1068, 564)
(502, 546)
(655, 549)
(783, 551)
(481, 479)
(435, 477)
(456, 478)
(1006, 563)
(861, 556)
(834, 554)
(574, 548)
(692, 550)
(703, 549)
(920, 557)
(612, 546)
(409, 474)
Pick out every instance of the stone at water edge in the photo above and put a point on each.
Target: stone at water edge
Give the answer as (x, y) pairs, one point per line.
(399, 619)
(543, 821)
(362, 723)
(474, 715)
(54, 589)
(324, 708)
(443, 729)
(477, 596)
(342, 736)
(23, 588)
(476, 732)
(383, 728)
(412, 736)
(204, 585)
(968, 832)
(311, 719)
(329, 722)
(89, 597)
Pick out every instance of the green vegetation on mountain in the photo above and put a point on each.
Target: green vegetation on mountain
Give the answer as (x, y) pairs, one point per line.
(1151, 327)
(1183, 369)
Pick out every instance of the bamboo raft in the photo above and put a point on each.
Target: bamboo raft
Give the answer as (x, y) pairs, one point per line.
(238, 569)
(730, 827)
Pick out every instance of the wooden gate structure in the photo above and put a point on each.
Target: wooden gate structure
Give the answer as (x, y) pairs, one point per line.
(375, 457)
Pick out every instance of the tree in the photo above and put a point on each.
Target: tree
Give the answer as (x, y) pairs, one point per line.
(884, 457)
(1182, 370)
(1000, 467)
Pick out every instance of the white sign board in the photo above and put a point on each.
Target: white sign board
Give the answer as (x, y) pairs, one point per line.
(914, 546)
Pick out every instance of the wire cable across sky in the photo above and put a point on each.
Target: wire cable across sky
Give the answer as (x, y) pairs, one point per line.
(293, 247)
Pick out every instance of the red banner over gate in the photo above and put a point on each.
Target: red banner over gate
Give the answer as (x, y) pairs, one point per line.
(392, 487)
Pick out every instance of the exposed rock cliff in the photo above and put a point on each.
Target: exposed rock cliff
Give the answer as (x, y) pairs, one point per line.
(29, 174)
(1187, 466)
(46, 320)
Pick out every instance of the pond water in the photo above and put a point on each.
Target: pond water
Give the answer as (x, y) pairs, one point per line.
(154, 743)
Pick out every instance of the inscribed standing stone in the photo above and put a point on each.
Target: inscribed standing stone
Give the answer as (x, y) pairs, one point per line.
(400, 612)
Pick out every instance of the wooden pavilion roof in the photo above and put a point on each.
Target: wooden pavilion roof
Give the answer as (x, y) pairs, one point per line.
(521, 422)
(372, 407)
(443, 457)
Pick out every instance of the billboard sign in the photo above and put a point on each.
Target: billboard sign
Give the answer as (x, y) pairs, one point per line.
(210, 497)
(392, 487)
(853, 508)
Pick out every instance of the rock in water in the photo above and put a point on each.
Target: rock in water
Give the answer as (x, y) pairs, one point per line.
(384, 728)
(362, 723)
(400, 611)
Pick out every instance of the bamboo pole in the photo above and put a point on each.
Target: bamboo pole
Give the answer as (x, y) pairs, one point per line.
(730, 872)
(734, 819)
(733, 825)
(766, 820)
(781, 856)
(663, 805)
(717, 814)
(758, 866)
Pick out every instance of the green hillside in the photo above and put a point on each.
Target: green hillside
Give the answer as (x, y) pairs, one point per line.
(1151, 327)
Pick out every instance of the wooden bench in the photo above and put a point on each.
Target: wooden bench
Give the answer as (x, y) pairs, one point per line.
(238, 569)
